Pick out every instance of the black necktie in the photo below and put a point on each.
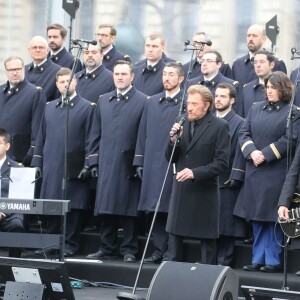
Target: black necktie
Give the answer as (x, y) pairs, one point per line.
(150, 68)
(169, 99)
(194, 127)
(207, 83)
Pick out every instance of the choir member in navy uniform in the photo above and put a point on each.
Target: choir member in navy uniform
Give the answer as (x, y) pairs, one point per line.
(95, 79)
(107, 35)
(164, 56)
(21, 108)
(293, 78)
(254, 91)
(49, 157)
(113, 140)
(12, 222)
(201, 154)
(242, 68)
(159, 114)
(230, 226)
(211, 76)
(147, 76)
(263, 141)
(41, 72)
(199, 37)
(57, 35)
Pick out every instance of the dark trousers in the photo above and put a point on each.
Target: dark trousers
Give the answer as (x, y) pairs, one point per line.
(225, 250)
(159, 235)
(74, 225)
(208, 249)
(13, 225)
(109, 235)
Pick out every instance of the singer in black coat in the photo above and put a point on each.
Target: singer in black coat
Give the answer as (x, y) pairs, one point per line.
(44, 76)
(11, 222)
(110, 57)
(194, 207)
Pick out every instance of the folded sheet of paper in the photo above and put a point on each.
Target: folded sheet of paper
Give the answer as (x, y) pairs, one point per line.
(22, 183)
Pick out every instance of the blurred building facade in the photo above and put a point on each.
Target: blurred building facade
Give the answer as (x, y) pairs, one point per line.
(226, 21)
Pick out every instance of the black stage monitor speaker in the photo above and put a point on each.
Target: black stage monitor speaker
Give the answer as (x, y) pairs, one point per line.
(187, 281)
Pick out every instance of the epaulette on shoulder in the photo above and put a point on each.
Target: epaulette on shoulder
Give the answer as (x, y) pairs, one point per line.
(148, 97)
(280, 59)
(126, 56)
(245, 84)
(178, 62)
(39, 88)
(225, 63)
(48, 102)
(235, 83)
(93, 104)
(20, 164)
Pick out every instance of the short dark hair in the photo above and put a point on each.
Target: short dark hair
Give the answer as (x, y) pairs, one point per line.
(218, 55)
(269, 55)
(112, 28)
(176, 65)
(62, 72)
(228, 86)
(282, 83)
(62, 30)
(5, 134)
(124, 62)
(10, 58)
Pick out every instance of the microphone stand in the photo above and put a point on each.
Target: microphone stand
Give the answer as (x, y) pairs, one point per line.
(289, 128)
(133, 296)
(65, 104)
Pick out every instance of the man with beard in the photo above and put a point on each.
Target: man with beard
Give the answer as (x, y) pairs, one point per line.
(41, 72)
(159, 114)
(113, 139)
(242, 68)
(147, 76)
(57, 35)
(95, 79)
(202, 148)
(230, 181)
(107, 35)
(201, 49)
(21, 109)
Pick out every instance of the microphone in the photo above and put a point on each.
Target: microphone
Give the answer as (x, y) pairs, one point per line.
(293, 50)
(187, 42)
(93, 42)
(181, 121)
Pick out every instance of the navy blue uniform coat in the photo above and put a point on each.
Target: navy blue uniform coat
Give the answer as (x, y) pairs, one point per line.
(154, 132)
(114, 134)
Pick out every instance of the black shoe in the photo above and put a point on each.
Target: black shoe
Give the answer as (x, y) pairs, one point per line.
(128, 257)
(69, 253)
(152, 260)
(48, 251)
(253, 267)
(270, 269)
(249, 241)
(100, 255)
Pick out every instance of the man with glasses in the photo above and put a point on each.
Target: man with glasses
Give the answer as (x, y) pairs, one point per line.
(95, 80)
(41, 72)
(211, 76)
(106, 35)
(21, 108)
(57, 35)
(201, 49)
(254, 91)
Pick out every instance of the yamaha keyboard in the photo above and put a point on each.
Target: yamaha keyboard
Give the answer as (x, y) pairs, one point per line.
(34, 206)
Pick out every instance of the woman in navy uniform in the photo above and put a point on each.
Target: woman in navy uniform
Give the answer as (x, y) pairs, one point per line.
(263, 141)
